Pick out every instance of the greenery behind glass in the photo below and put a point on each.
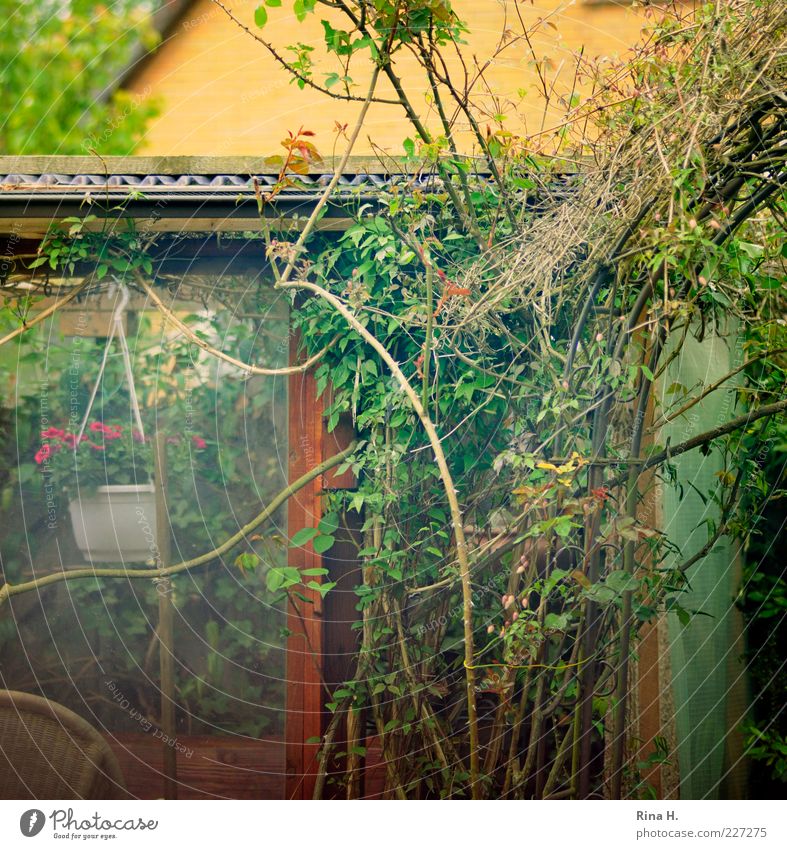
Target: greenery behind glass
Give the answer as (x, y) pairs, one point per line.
(78, 641)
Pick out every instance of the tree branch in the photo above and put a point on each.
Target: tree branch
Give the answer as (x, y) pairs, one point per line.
(44, 314)
(8, 590)
(215, 352)
(704, 438)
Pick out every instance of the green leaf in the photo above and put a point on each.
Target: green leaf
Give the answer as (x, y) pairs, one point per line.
(303, 536)
(600, 593)
(282, 577)
(555, 621)
(273, 580)
(274, 4)
(326, 587)
(261, 16)
(751, 250)
(647, 372)
(247, 560)
(323, 543)
(563, 526)
(555, 577)
(621, 581)
(329, 524)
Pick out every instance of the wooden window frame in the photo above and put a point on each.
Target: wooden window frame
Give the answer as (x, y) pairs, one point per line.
(310, 633)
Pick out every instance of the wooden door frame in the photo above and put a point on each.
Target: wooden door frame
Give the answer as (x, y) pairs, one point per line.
(303, 666)
(308, 633)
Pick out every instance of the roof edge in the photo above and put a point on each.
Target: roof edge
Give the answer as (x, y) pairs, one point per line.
(178, 165)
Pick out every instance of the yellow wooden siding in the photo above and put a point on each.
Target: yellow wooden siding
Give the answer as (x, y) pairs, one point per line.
(222, 93)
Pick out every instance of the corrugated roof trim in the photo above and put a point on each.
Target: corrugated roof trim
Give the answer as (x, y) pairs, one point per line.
(215, 182)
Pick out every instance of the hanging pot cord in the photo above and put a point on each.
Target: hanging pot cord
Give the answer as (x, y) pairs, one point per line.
(117, 331)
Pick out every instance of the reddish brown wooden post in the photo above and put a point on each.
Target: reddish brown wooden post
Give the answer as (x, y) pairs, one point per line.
(309, 444)
(304, 619)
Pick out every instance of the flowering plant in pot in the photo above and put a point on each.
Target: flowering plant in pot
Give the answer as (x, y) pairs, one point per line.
(106, 475)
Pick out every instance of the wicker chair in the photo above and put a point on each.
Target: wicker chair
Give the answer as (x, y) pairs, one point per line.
(48, 752)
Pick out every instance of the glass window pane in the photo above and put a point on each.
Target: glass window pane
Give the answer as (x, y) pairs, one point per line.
(91, 644)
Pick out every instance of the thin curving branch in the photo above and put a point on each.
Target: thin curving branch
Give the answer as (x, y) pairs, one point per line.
(172, 319)
(451, 495)
(8, 590)
(44, 314)
(290, 68)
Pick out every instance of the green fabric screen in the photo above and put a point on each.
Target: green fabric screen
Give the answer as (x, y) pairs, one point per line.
(701, 650)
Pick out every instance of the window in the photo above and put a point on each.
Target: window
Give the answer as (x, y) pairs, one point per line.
(91, 645)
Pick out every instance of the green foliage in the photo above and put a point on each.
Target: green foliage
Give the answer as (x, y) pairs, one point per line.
(770, 748)
(763, 593)
(56, 60)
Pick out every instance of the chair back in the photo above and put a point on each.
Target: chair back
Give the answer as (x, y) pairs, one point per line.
(48, 752)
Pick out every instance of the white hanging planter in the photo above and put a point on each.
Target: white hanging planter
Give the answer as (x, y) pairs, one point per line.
(116, 524)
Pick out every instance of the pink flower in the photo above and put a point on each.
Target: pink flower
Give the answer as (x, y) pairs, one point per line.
(199, 442)
(43, 453)
(108, 431)
(96, 447)
(137, 436)
(112, 431)
(52, 433)
(70, 440)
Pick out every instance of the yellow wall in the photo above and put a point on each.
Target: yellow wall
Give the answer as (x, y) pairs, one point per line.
(221, 93)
